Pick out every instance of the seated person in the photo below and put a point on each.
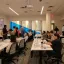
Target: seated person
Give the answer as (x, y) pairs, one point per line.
(48, 35)
(44, 35)
(13, 36)
(22, 31)
(26, 37)
(9, 33)
(30, 35)
(57, 46)
(34, 32)
(52, 35)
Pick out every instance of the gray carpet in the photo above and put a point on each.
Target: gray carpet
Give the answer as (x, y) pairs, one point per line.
(26, 59)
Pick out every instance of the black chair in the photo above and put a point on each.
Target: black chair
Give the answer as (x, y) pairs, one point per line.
(26, 40)
(9, 57)
(55, 58)
(22, 46)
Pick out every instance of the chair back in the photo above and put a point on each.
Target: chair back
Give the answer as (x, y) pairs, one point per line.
(26, 38)
(12, 48)
(62, 40)
(21, 44)
(13, 38)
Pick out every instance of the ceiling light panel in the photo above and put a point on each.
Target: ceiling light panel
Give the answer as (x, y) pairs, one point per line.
(13, 11)
(42, 9)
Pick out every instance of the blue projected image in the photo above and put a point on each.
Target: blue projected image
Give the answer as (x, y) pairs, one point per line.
(12, 24)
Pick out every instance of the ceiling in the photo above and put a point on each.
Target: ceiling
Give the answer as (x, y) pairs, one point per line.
(53, 6)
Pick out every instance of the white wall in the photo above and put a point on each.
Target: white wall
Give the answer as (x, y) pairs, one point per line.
(57, 20)
(6, 22)
(24, 18)
(31, 19)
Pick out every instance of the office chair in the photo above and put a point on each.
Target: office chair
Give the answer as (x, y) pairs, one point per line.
(62, 40)
(56, 58)
(26, 40)
(9, 57)
(22, 47)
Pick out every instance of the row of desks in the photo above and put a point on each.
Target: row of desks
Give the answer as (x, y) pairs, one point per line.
(37, 46)
(6, 43)
(40, 47)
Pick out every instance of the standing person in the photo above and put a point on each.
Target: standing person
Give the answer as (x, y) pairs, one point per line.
(56, 29)
(63, 30)
(14, 29)
(16, 32)
(5, 32)
(22, 32)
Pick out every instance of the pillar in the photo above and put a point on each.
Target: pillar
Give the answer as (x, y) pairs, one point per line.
(48, 22)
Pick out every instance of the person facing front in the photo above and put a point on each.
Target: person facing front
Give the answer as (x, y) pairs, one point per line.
(5, 32)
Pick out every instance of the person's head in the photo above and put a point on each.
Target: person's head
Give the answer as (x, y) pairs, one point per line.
(10, 30)
(44, 32)
(51, 32)
(21, 28)
(30, 30)
(14, 27)
(48, 33)
(5, 26)
(56, 36)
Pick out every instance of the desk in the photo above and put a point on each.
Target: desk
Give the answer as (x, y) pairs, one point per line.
(37, 46)
(4, 44)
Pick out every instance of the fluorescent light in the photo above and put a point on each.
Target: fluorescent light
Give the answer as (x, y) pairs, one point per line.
(29, 6)
(42, 9)
(13, 11)
(36, 21)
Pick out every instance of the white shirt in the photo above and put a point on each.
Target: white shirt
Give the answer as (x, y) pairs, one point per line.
(63, 28)
(26, 38)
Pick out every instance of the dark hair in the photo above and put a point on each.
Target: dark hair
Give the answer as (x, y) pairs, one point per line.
(10, 29)
(44, 32)
(14, 27)
(51, 31)
(57, 35)
(5, 26)
(48, 32)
